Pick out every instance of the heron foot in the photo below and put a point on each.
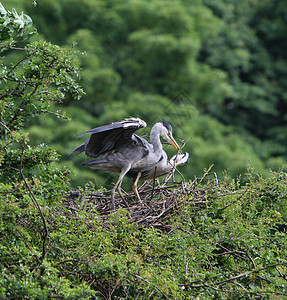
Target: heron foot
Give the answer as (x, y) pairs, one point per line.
(135, 187)
(122, 197)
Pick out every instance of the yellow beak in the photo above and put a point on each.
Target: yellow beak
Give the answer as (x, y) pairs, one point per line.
(174, 143)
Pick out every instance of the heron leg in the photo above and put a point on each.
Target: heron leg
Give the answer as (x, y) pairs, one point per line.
(135, 188)
(118, 185)
(119, 191)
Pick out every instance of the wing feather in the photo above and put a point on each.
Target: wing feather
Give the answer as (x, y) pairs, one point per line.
(108, 137)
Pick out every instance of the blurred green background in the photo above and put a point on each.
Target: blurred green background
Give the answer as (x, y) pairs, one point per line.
(215, 69)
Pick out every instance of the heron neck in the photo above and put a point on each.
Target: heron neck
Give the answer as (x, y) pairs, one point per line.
(155, 138)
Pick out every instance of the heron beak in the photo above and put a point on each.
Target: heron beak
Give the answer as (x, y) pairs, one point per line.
(174, 143)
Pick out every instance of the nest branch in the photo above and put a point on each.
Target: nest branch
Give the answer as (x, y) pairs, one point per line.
(160, 201)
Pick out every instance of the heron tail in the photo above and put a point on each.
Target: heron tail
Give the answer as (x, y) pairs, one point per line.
(101, 164)
(97, 161)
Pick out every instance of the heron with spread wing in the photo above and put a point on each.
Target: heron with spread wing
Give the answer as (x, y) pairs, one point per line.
(126, 153)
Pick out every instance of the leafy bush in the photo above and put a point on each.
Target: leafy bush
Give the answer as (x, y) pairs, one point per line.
(41, 75)
(220, 242)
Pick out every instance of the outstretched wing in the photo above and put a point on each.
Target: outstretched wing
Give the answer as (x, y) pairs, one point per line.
(108, 137)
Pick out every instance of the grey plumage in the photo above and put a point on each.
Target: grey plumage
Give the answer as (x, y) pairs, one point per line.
(163, 167)
(126, 153)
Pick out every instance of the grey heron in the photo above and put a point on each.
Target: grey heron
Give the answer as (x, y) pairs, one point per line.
(125, 152)
(163, 167)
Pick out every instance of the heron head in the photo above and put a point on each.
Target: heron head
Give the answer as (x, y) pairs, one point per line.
(166, 133)
(179, 159)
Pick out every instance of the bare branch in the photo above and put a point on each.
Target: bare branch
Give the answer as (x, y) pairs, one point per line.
(45, 235)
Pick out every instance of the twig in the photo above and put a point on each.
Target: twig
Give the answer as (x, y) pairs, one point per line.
(183, 145)
(21, 60)
(45, 235)
(235, 277)
(153, 184)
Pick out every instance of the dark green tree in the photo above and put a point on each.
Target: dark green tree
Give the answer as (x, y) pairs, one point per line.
(251, 49)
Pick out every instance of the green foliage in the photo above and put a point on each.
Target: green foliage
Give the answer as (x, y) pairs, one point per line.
(13, 25)
(221, 244)
(30, 87)
(35, 82)
(208, 67)
(251, 50)
(30, 187)
(150, 47)
(226, 238)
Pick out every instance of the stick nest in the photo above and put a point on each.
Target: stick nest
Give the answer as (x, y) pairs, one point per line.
(159, 202)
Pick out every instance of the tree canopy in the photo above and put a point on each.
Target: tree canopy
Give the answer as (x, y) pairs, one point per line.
(211, 68)
(215, 70)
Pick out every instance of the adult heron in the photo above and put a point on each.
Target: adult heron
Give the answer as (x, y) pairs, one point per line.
(123, 151)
